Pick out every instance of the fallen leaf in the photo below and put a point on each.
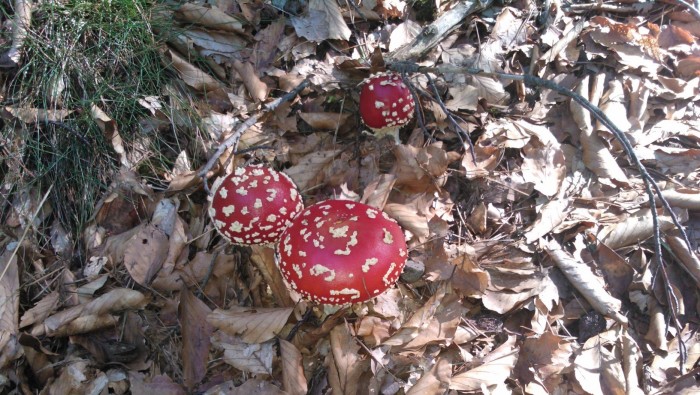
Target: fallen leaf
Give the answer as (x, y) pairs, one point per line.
(293, 379)
(344, 363)
(323, 21)
(492, 370)
(255, 325)
(196, 332)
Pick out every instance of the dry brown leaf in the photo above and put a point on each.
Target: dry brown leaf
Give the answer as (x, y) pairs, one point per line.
(324, 120)
(190, 74)
(33, 115)
(377, 192)
(113, 301)
(468, 277)
(596, 155)
(218, 46)
(688, 259)
(257, 89)
(145, 252)
(599, 366)
(549, 216)
(434, 381)
(250, 387)
(42, 309)
(635, 228)
(543, 166)
(86, 324)
(420, 169)
(549, 356)
(442, 326)
(322, 22)
(373, 330)
(419, 320)
(494, 369)
(344, 362)
(158, 384)
(683, 198)
(293, 379)
(583, 279)
(110, 131)
(264, 259)
(614, 105)
(403, 34)
(9, 306)
(306, 173)
(466, 96)
(253, 358)
(211, 17)
(196, 335)
(255, 325)
(409, 219)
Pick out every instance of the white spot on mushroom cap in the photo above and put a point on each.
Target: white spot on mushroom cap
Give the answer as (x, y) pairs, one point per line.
(388, 273)
(258, 203)
(354, 293)
(368, 263)
(339, 232)
(371, 213)
(236, 226)
(271, 218)
(242, 191)
(388, 238)
(223, 192)
(318, 270)
(228, 210)
(297, 270)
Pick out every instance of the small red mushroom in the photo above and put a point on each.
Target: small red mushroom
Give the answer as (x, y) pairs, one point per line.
(386, 104)
(253, 205)
(340, 252)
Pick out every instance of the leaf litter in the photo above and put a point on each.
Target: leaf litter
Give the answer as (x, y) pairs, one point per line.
(535, 267)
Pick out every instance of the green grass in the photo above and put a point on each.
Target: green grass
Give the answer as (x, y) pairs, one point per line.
(78, 54)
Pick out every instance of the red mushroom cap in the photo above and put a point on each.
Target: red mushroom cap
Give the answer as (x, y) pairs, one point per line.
(385, 102)
(340, 252)
(254, 205)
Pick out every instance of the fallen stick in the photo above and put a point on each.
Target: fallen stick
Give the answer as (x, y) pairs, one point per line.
(235, 137)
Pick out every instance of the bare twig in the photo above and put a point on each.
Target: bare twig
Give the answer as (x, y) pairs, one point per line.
(235, 137)
(452, 119)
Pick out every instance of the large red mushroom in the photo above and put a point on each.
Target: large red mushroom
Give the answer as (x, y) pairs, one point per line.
(341, 252)
(254, 205)
(386, 104)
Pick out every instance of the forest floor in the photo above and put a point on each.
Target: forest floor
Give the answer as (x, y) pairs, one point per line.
(538, 261)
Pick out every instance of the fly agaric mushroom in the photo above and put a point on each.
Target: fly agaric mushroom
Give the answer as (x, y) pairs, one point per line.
(386, 104)
(340, 252)
(253, 205)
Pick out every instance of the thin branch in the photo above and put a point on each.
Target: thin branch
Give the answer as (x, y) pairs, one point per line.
(235, 137)
(451, 118)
